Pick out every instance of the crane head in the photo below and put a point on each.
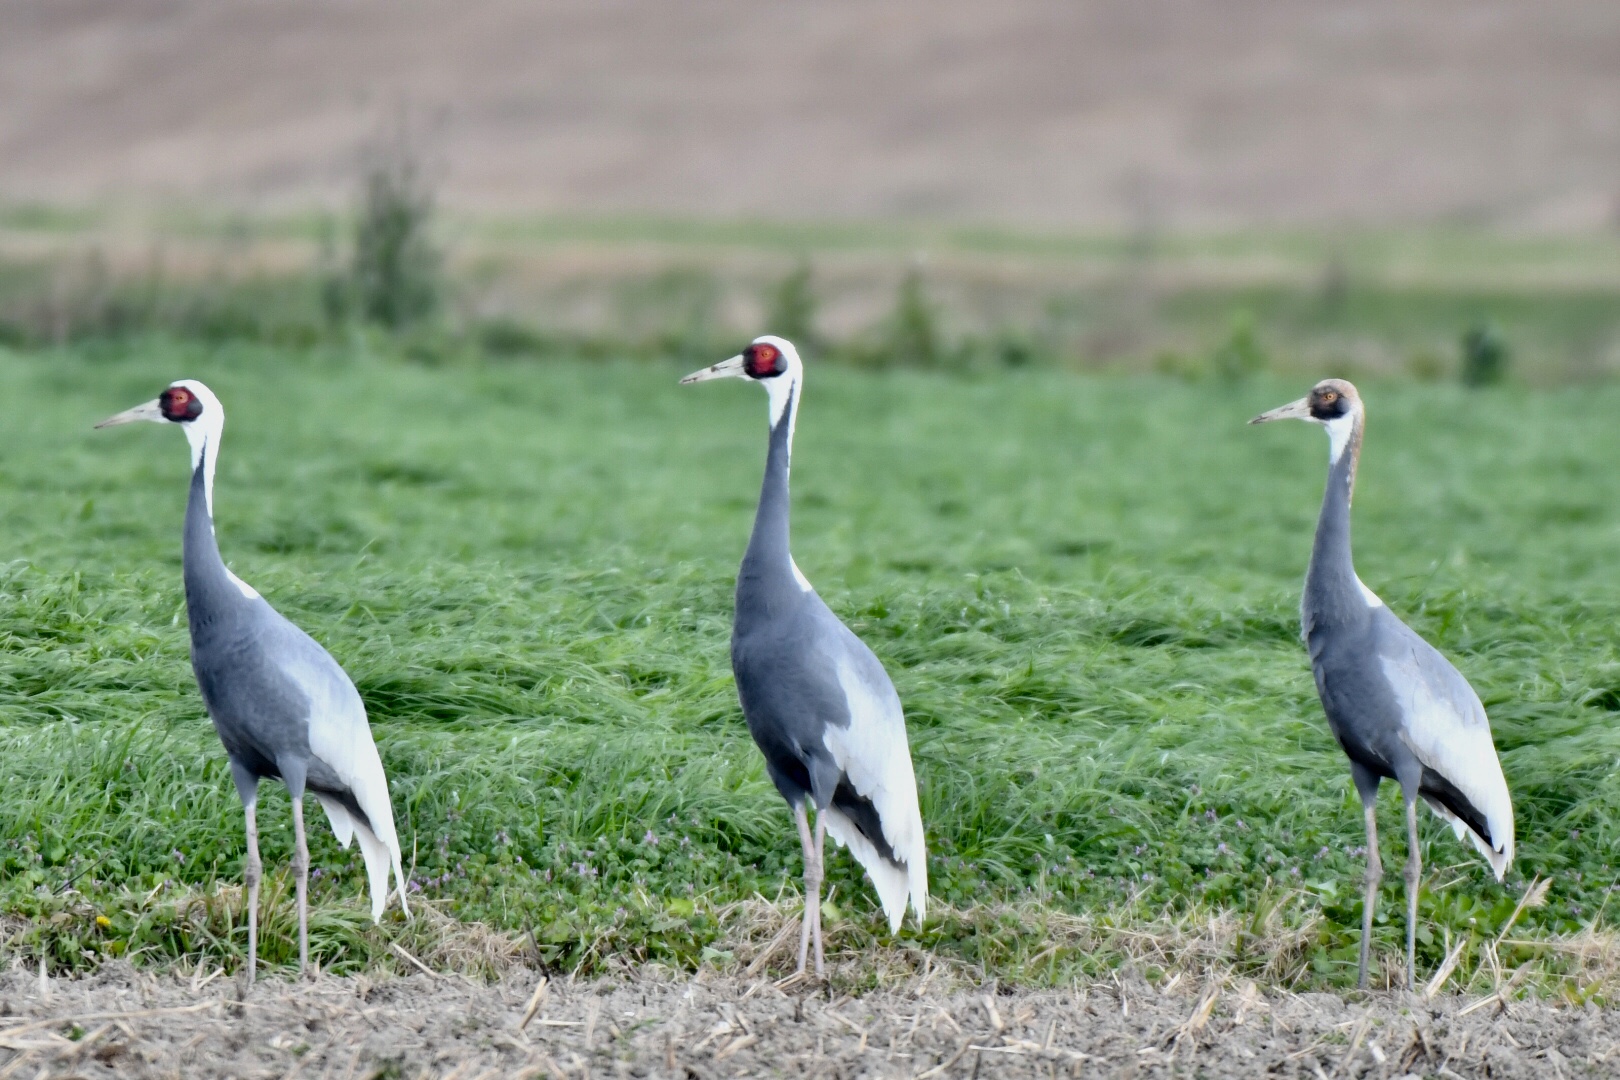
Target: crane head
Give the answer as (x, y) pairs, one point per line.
(772, 362)
(1335, 405)
(1330, 401)
(183, 402)
(766, 358)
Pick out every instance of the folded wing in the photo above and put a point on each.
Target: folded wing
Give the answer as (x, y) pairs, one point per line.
(875, 814)
(1445, 727)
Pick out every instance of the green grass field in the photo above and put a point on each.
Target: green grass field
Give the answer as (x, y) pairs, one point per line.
(1085, 589)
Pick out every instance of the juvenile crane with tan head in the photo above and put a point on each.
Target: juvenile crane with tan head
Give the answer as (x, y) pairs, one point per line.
(816, 699)
(281, 705)
(1396, 706)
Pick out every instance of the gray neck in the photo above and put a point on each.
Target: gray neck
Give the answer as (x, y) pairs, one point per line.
(1331, 587)
(211, 595)
(766, 583)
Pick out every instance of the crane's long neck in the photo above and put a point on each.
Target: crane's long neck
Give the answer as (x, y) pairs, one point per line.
(768, 576)
(210, 588)
(1332, 574)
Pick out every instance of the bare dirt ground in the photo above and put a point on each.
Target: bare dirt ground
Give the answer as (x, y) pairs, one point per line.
(1023, 112)
(127, 1023)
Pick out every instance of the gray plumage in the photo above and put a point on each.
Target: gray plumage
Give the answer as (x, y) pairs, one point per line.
(817, 701)
(283, 708)
(1397, 708)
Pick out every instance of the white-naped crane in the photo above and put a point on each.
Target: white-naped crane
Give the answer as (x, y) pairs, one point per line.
(1396, 706)
(281, 705)
(816, 699)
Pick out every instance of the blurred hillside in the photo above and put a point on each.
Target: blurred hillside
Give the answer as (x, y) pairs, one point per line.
(1365, 186)
(1185, 114)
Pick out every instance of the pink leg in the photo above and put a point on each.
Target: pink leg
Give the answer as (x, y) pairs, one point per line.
(810, 906)
(252, 871)
(301, 869)
(821, 837)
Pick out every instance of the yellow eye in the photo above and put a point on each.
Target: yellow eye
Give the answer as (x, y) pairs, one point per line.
(1329, 396)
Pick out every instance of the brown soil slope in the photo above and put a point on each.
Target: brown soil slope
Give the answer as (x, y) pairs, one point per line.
(1030, 112)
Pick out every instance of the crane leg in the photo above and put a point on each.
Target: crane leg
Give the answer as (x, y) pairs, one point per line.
(821, 843)
(301, 870)
(252, 873)
(1369, 897)
(810, 904)
(1414, 870)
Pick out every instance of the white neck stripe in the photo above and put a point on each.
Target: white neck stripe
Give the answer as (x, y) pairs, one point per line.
(1339, 430)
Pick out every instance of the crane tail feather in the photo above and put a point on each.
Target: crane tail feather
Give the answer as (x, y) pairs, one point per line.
(378, 863)
(379, 857)
(1499, 860)
(894, 881)
(342, 821)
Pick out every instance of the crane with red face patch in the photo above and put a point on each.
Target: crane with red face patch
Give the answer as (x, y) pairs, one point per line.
(282, 706)
(817, 701)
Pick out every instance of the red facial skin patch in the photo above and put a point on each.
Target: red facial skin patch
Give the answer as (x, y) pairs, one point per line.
(177, 403)
(763, 361)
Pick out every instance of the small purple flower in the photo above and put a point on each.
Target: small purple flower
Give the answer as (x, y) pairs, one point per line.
(177, 856)
(1322, 853)
(1221, 849)
(650, 839)
(1211, 815)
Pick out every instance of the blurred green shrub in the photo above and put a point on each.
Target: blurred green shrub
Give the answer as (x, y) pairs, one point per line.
(673, 313)
(913, 337)
(395, 269)
(1241, 354)
(1485, 355)
(791, 308)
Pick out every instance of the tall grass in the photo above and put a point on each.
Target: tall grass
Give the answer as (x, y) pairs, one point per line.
(1085, 589)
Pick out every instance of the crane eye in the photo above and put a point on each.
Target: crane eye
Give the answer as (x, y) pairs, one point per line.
(763, 361)
(179, 404)
(1329, 396)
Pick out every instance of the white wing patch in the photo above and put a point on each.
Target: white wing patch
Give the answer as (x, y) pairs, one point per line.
(874, 754)
(798, 575)
(241, 586)
(1368, 595)
(340, 736)
(1446, 728)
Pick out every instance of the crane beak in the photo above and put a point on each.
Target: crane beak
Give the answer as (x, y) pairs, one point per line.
(725, 369)
(149, 411)
(1294, 410)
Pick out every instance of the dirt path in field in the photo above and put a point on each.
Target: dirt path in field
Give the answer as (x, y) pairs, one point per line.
(122, 1022)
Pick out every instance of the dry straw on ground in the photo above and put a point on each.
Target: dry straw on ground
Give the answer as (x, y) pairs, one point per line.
(1208, 993)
